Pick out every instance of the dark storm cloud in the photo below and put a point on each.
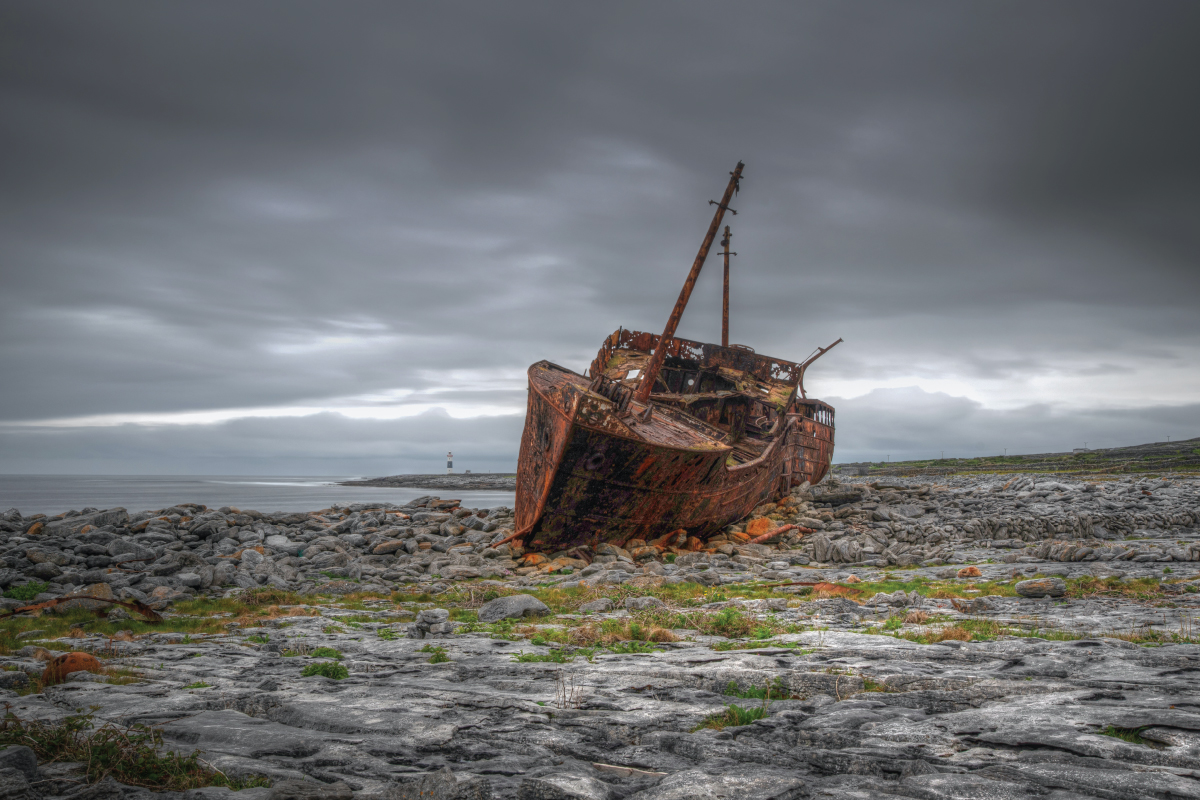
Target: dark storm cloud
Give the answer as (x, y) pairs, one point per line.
(214, 206)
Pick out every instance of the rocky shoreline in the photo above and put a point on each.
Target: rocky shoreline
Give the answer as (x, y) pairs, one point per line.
(990, 636)
(492, 481)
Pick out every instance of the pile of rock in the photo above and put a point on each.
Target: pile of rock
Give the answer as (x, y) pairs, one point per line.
(158, 557)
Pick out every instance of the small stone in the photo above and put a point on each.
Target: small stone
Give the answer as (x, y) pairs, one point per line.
(189, 579)
(432, 616)
(1042, 587)
(597, 606)
(643, 603)
(19, 757)
(512, 607)
(388, 547)
(14, 681)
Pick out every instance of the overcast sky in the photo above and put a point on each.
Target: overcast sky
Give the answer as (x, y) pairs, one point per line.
(329, 238)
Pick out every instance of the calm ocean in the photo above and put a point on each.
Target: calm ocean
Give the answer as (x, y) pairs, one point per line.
(53, 494)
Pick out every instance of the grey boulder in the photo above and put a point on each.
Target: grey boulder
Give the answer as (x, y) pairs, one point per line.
(513, 607)
(1041, 587)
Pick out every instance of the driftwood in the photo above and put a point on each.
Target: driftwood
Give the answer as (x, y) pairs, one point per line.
(782, 529)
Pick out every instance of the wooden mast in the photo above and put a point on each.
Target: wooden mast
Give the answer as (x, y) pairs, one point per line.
(660, 352)
(725, 293)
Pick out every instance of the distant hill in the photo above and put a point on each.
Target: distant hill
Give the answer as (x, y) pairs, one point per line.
(1156, 457)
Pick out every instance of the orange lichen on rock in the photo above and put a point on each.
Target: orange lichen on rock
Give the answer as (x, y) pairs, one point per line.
(58, 669)
(832, 590)
(757, 527)
(970, 572)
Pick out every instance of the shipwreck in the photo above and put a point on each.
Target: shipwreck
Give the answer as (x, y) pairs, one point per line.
(664, 436)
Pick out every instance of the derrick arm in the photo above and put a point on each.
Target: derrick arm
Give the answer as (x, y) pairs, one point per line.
(820, 352)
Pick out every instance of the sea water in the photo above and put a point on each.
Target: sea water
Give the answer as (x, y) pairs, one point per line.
(54, 494)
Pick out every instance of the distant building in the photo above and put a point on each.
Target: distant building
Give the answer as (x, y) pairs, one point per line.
(449, 463)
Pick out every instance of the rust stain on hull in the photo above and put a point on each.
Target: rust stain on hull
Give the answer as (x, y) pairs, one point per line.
(653, 440)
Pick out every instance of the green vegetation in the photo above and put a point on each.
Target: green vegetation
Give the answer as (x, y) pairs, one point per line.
(326, 652)
(387, 634)
(557, 656)
(26, 592)
(754, 645)
(259, 638)
(775, 690)
(733, 716)
(633, 647)
(326, 669)
(438, 654)
(1131, 735)
(131, 755)
(198, 685)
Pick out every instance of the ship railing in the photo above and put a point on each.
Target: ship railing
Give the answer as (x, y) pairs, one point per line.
(619, 395)
(762, 367)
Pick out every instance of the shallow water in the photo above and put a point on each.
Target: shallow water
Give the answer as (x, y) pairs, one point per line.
(53, 494)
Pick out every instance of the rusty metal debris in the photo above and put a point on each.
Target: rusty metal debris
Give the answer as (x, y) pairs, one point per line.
(665, 435)
(133, 605)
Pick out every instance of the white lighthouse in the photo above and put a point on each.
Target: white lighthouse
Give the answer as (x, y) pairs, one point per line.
(449, 463)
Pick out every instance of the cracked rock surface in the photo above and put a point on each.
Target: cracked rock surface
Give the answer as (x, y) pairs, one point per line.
(851, 714)
(863, 717)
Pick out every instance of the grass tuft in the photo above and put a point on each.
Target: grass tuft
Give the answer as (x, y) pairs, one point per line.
(131, 755)
(326, 669)
(27, 591)
(733, 716)
(438, 653)
(1131, 735)
(326, 652)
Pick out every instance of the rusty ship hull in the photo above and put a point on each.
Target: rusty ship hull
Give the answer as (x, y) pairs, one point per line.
(665, 434)
(596, 467)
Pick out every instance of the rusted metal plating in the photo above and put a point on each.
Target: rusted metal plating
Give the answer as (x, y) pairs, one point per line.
(730, 429)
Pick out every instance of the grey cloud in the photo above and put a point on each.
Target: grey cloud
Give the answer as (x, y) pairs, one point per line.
(228, 205)
(908, 424)
(320, 444)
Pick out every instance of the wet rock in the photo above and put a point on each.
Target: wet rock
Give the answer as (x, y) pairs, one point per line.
(512, 607)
